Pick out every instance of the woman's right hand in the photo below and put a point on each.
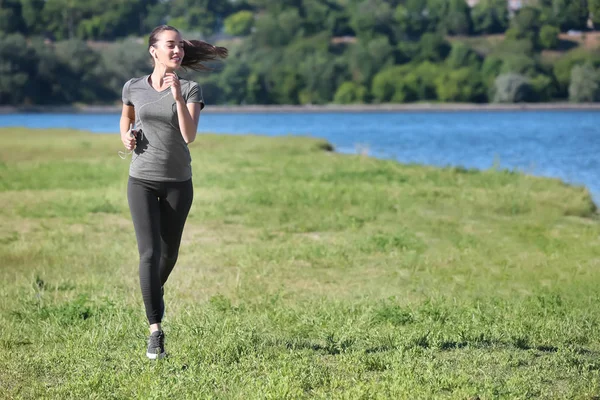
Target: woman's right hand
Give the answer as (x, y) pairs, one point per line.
(129, 139)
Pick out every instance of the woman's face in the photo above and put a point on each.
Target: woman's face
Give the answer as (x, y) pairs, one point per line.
(168, 50)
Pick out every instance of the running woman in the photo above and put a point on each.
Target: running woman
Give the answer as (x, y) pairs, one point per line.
(159, 119)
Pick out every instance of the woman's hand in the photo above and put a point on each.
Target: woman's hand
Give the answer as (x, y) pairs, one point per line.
(129, 139)
(172, 80)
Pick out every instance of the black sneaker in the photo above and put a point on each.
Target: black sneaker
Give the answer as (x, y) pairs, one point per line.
(156, 345)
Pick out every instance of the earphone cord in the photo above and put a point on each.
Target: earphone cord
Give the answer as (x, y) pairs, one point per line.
(123, 154)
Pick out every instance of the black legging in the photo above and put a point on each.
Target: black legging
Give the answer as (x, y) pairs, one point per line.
(158, 211)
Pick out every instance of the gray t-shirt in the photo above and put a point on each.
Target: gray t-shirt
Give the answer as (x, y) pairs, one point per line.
(161, 153)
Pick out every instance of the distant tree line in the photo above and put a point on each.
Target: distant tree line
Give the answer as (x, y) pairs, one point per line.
(305, 51)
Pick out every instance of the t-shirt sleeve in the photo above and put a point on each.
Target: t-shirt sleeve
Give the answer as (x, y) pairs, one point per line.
(126, 95)
(195, 95)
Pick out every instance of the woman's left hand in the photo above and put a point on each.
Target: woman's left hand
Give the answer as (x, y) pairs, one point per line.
(172, 80)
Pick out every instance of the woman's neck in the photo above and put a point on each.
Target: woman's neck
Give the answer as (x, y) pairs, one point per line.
(156, 79)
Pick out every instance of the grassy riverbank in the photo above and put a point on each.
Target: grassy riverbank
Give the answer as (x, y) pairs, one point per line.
(303, 274)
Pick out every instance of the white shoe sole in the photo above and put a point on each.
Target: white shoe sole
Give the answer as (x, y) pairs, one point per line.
(154, 356)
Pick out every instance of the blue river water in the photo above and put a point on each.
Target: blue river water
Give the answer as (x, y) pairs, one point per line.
(560, 144)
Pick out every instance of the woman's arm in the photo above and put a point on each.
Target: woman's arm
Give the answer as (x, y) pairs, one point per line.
(189, 116)
(127, 119)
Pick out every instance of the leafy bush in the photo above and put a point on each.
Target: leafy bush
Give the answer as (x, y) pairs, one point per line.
(123, 60)
(490, 16)
(569, 14)
(519, 64)
(457, 21)
(294, 52)
(372, 17)
(461, 55)
(549, 37)
(421, 80)
(350, 92)
(17, 65)
(433, 47)
(389, 85)
(543, 87)
(594, 6)
(83, 71)
(525, 24)
(512, 88)
(490, 69)
(563, 67)
(460, 85)
(585, 83)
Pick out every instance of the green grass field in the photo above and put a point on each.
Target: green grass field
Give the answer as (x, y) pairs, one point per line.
(303, 273)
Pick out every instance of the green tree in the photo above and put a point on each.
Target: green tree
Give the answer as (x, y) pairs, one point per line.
(563, 67)
(412, 19)
(420, 81)
(565, 14)
(316, 16)
(372, 18)
(317, 72)
(525, 25)
(381, 51)
(31, 11)
(594, 9)
(211, 90)
(121, 61)
(461, 55)
(460, 85)
(285, 84)
(112, 19)
(62, 17)
(549, 37)
(519, 64)
(44, 88)
(450, 16)
(233, 81)
(11, 20)
(82, 72)
(17, 67)
(350, 92)
(543, 87)
(512, 88)
(490, 16)
(256, 91)
(264, 82)
(433, 47)
(571, 14)
(585, 83)
(277, 30)
(364, 60)
(155, 15)
(204, 16)
(490, 69)
(389, 86)
(458, 21)
(240, 23)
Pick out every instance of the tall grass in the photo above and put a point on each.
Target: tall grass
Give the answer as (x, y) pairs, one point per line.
(302, 274)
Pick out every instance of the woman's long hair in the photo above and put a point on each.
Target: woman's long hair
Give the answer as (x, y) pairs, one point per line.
(197, 52)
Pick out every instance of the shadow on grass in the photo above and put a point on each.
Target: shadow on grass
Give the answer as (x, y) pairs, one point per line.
(566, 45)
